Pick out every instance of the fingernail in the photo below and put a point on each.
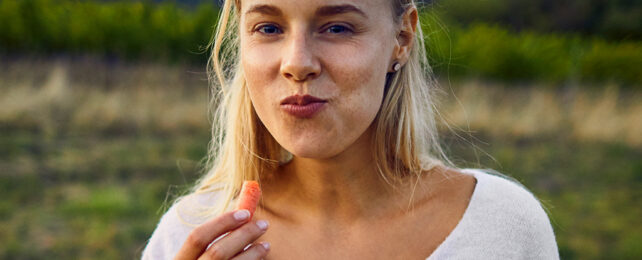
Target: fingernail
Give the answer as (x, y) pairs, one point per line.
(266, 245)
(241, 214)
(262, 224)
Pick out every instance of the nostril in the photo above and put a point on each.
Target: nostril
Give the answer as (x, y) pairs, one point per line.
(300, 78)
(300, 69)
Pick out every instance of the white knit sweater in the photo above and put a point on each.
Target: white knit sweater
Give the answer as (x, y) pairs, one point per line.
(503, 221)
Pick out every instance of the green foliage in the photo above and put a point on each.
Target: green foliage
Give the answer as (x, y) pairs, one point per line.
(471, 48)
(125, 29)
(609, 61)
(493, 52)
(613, 19)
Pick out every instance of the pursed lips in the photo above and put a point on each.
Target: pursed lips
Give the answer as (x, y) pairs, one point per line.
(302, 100)
(302, 106)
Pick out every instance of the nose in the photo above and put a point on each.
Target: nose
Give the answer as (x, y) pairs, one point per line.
(299, 62)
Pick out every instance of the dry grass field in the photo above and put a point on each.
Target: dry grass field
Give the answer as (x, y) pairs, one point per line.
(155, 98)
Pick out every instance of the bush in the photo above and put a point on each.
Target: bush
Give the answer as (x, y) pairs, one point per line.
(170, 32)
(612, 62)
(493, 52)
(123, 29)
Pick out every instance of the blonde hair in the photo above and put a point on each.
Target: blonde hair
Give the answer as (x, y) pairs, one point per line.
(405, 140)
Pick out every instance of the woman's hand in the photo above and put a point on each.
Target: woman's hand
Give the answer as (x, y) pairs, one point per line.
(241, 233)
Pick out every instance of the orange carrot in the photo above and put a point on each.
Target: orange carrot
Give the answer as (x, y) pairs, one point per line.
(249, 197)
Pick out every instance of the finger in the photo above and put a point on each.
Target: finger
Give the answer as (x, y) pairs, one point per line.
(235, 241)
(198, 240)
(256, 251)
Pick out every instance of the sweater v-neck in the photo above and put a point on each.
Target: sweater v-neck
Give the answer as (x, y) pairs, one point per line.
(465, 217)
(503, 220)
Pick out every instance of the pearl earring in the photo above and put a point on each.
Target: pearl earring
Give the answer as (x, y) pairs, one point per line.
(396, 66)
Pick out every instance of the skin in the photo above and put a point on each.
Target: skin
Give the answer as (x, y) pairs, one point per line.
(342, 58)
(302, 55)
(328, 202)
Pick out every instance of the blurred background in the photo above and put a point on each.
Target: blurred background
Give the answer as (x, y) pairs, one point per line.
(103, 115)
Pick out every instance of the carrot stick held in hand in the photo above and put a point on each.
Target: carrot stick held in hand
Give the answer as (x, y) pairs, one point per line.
(228, 235)
(249, 197)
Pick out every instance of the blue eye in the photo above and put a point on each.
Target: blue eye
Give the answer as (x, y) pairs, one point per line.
(337, 29)
(268, 29)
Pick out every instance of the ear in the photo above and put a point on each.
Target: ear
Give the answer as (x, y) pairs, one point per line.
(405, 35)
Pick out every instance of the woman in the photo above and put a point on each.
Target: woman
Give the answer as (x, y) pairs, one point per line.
(328, 105)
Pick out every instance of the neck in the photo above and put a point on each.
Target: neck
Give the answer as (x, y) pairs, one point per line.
(343, 188)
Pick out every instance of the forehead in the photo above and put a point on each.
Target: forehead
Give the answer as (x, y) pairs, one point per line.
(309, 8)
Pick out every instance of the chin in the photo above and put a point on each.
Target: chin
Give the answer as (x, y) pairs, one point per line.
(312, 150)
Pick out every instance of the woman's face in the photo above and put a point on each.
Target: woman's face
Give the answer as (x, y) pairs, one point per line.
(316, 69)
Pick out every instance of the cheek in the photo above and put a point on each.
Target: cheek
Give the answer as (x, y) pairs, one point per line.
(259, 62)
(360, 77)
(260, 72)
(349, 77)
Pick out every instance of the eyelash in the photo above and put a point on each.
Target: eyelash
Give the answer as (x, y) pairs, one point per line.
(258, 29)
(345, 28)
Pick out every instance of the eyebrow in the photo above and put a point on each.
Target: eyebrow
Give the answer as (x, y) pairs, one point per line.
(331, 10)
(265, 9)
(328, 10)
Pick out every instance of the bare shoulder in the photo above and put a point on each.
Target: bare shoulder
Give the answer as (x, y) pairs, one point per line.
(452, 183)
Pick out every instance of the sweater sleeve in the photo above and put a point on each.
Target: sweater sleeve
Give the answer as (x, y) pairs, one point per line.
(529, 227)
(504, 221)
(168, 237)
(540, 234)
(176, 224)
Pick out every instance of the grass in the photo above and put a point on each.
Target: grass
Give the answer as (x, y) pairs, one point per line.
(58, 98)
(604, 115)
(88, 161)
